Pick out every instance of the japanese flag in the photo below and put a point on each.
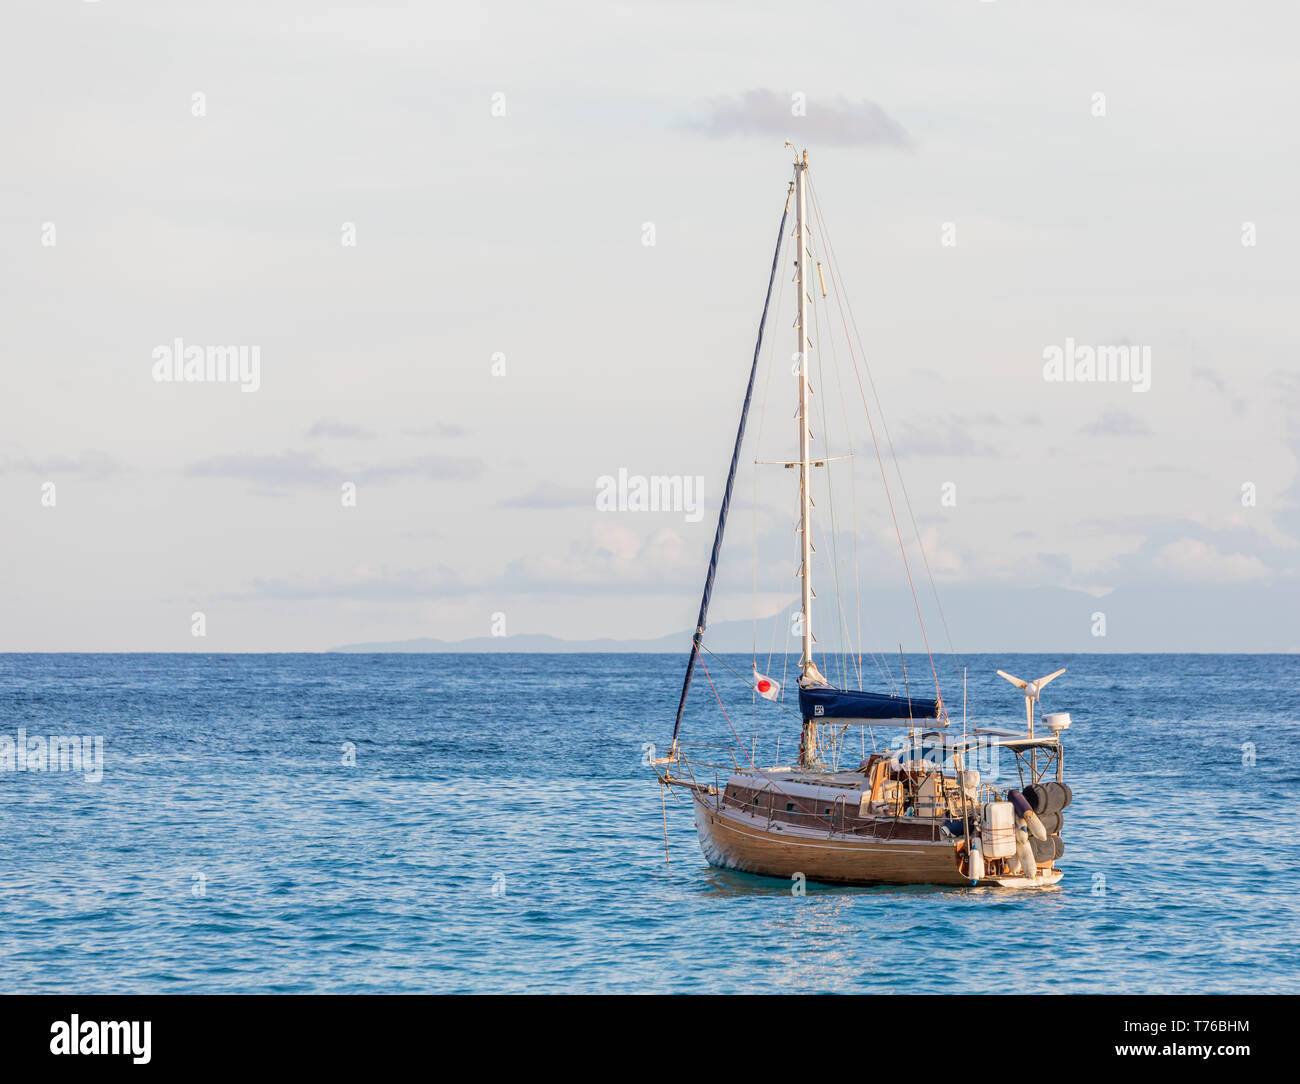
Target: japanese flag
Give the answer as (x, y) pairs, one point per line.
(765, 686)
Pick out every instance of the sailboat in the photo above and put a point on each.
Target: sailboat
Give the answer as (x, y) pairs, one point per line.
(983, 807)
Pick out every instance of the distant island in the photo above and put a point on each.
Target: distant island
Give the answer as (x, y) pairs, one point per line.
(725, 636)
(1154, 617)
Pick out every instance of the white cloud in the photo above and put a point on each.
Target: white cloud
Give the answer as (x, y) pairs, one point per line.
(616, 557)
(1192, 559)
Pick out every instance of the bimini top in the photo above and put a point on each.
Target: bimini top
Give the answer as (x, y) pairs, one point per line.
(847, 706)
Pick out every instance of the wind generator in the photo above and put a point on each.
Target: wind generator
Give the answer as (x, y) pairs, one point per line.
(1032, 690)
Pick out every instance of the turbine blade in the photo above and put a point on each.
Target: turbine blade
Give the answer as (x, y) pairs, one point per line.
(1050, 677)
(1017, 682)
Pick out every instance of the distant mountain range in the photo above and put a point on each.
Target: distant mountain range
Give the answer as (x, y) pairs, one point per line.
(1149, 618)
(725, 636)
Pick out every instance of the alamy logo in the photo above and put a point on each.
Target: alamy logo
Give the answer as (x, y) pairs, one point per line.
(1076, 363)
(77, 1036)
(657, 493)
(979, 756)
(181, 364)
(57, 753)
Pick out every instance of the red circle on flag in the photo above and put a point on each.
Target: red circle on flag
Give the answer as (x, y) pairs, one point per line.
(764, 685)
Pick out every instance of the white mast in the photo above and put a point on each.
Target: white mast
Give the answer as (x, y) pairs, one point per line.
(806, 668)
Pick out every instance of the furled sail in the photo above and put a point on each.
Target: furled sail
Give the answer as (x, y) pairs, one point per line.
(819, 703)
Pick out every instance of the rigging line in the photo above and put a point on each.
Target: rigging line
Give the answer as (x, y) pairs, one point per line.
(723, 709)
(916, 602)
(794, 798)
(856, 660)
(857, 560)
(830, 504)
(753, 655)
(857, 582)
(846, 656)
(835, 555)
(702, 620)
(762, 419)
(780, 706)
(785, 656)
(888, 438)
(884, 671)
(785, 649)
(758, 447)
(771, 643)
(830, 490)
(830, 500)
(754, 626)
(767, 379)
(843, 302)
(754, 636)
(789, 627)
(771, 640)
(848, 436)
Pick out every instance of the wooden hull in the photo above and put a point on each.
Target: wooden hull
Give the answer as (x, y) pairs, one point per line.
(732, 839)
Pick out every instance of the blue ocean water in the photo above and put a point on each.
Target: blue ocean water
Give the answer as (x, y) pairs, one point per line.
(500, 831)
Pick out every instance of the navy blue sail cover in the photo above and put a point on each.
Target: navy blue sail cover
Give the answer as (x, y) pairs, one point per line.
(827, 703)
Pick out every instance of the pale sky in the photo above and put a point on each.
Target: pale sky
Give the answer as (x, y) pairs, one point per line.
(521, 235)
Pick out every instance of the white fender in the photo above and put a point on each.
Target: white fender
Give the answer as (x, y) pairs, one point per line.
(976, 861)
(1035, 825)
(1025, 852)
